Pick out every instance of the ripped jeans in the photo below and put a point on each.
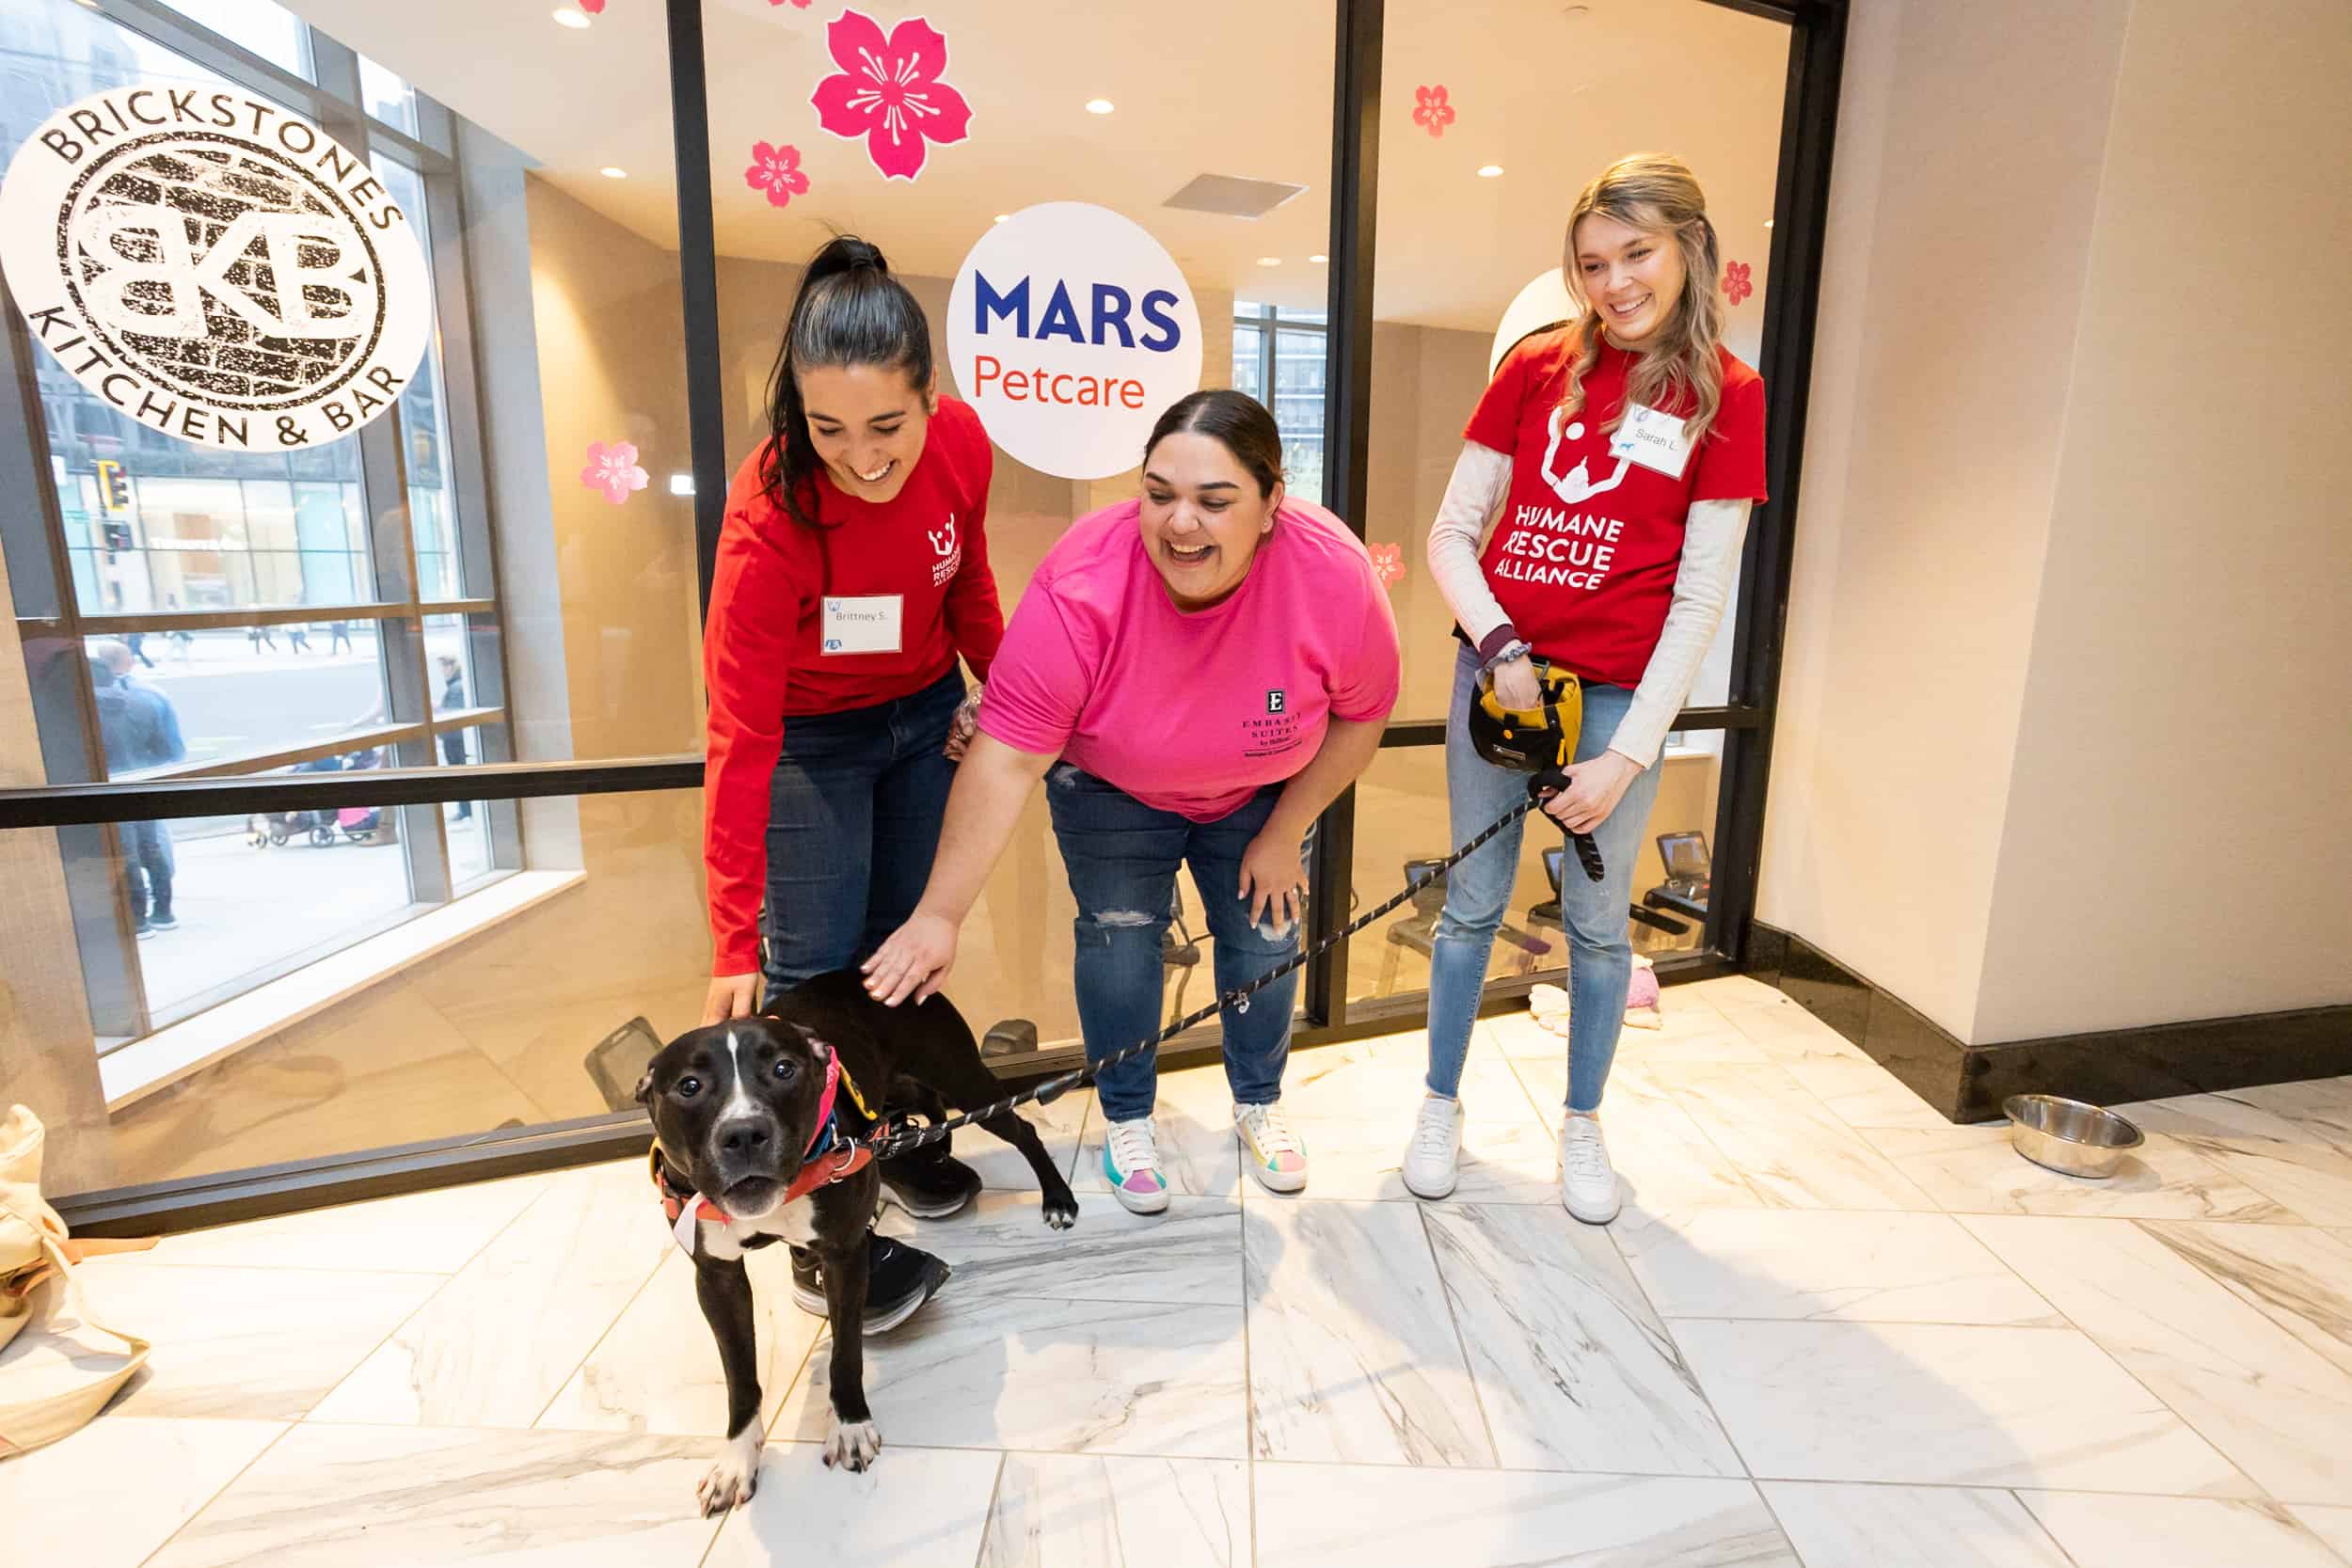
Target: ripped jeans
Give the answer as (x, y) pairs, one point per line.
(1122, 856)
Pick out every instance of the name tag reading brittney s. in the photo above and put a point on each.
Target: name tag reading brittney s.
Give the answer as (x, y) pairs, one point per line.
(861, 624)
(1653, 440)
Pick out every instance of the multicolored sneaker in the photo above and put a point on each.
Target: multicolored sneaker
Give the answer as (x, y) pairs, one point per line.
(1276, 1157)
(1131, 1164)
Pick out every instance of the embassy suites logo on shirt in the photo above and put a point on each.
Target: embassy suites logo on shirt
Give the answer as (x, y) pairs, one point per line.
(1274, 734)
(215, 266)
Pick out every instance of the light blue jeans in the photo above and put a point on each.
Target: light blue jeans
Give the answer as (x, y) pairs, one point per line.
(1600, 951)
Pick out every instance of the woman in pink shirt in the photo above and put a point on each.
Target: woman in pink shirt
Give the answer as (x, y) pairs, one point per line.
(1210, 665)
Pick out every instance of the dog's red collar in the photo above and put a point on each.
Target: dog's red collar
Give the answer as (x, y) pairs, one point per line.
(829, 1157)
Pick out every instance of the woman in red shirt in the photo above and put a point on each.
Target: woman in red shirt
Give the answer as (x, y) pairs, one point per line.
(852, 572)
(1618, 457)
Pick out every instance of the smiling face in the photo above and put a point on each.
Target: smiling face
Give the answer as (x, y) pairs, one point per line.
(1633, 277)
(735, 1106)
(1203, 517)
(868, 423)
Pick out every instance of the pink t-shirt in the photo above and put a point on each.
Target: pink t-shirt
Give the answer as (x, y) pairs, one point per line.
(1196, 712)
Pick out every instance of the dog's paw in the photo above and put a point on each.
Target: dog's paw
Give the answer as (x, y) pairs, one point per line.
(852, 1445)
(731, 1480)
(1062, 1210)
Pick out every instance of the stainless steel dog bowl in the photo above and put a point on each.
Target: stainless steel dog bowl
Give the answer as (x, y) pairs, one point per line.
(2068, 1136)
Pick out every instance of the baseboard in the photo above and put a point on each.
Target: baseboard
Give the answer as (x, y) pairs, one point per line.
(1968, 1083)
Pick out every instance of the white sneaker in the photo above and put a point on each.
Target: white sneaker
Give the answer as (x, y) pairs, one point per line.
(1277, 1157)
(1588, 1183)
(1429, 1159)
(1131, 1164)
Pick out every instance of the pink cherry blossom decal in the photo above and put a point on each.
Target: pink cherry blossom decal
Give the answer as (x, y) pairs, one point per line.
(1431, 109)
(778, 171)
(1737, 284)
(614, 470)
(797, 5)
(593, 7)
(888, 91)
(1388, 565)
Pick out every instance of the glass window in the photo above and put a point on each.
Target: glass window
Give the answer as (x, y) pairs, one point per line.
(1498, 146)
(271, 31)
(239, 693)
(386, 97)
(424, 429)
(1221, 203)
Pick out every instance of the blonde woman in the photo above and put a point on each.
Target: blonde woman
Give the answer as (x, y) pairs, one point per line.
(1623, 452)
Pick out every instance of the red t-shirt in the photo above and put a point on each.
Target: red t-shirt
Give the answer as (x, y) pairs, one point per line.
(1584, 556)
(764, 657)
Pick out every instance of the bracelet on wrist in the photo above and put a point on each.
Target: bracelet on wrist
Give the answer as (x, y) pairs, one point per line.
(1504, 655)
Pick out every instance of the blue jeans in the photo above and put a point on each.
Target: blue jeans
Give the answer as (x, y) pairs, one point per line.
(1122, 856)
(1600, 951)
(854, 817)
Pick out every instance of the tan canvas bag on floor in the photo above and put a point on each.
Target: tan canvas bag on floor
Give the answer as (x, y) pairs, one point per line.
(57, 1369)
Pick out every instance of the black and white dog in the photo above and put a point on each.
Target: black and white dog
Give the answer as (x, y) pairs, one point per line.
(754, 1122)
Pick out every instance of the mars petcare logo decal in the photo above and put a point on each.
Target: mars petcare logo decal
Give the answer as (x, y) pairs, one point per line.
(216, 267)
(1070, 330)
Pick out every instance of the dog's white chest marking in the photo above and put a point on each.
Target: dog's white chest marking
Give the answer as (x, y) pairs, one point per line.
(795, 1222)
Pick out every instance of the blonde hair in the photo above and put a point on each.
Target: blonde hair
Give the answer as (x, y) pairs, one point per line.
(1656, 194)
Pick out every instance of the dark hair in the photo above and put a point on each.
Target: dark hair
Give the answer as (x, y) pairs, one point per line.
(850, 312)
(1237, 422)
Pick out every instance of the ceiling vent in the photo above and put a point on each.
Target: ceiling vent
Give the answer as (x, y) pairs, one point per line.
(1235, 198)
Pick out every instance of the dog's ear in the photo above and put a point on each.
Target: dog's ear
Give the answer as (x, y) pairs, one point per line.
(644, 1089)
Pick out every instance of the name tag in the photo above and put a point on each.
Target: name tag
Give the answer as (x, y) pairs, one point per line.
(861, 624)
(1653, 440)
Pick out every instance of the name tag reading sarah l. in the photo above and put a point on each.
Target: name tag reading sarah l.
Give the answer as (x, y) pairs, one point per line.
(1653, 440)
(861, 624)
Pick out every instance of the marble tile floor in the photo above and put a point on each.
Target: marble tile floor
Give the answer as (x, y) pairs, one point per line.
(1828, 1332)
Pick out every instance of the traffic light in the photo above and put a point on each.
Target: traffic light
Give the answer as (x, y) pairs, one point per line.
(113, 487)
(117, 538)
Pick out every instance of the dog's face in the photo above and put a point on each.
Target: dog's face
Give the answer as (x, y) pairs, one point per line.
(735, 1105)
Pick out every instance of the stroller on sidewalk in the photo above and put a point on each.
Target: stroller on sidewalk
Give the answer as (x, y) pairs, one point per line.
(353, 824)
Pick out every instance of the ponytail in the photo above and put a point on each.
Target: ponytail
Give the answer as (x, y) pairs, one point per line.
(850, 312)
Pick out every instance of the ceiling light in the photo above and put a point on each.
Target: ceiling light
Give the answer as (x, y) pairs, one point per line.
(1767, 223)
(1004, 217)
(1269, 260)
(612, 173)
(1320, 261)
(681, 484)
(566, 17)
(1100, 105)
(1490, 171)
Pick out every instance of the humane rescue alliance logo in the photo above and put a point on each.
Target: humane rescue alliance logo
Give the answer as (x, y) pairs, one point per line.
(215, 266)
(1069, 329)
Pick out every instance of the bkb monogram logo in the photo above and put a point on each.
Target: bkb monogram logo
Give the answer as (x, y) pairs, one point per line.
(215, 266)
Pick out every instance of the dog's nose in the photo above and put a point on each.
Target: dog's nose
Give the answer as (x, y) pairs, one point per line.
(746, 1137)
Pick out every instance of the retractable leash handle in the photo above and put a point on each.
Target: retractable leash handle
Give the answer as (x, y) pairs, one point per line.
(1547, 783)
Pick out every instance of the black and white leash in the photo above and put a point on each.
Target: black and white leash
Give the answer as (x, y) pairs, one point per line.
(900, 1139)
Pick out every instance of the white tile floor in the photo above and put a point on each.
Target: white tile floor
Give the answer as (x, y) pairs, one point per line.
(1828, 1331)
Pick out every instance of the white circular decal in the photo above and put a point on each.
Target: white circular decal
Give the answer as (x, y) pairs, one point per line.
(215, 266)
(1069, 331)
(1544, 302)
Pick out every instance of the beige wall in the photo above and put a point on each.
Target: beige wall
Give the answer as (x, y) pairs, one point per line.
(2176, 843)
(2044, 665)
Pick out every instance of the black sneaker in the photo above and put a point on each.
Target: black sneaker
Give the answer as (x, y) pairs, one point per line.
(929, 1182)
(142, 930)
(161, 920)
(898, 1281)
